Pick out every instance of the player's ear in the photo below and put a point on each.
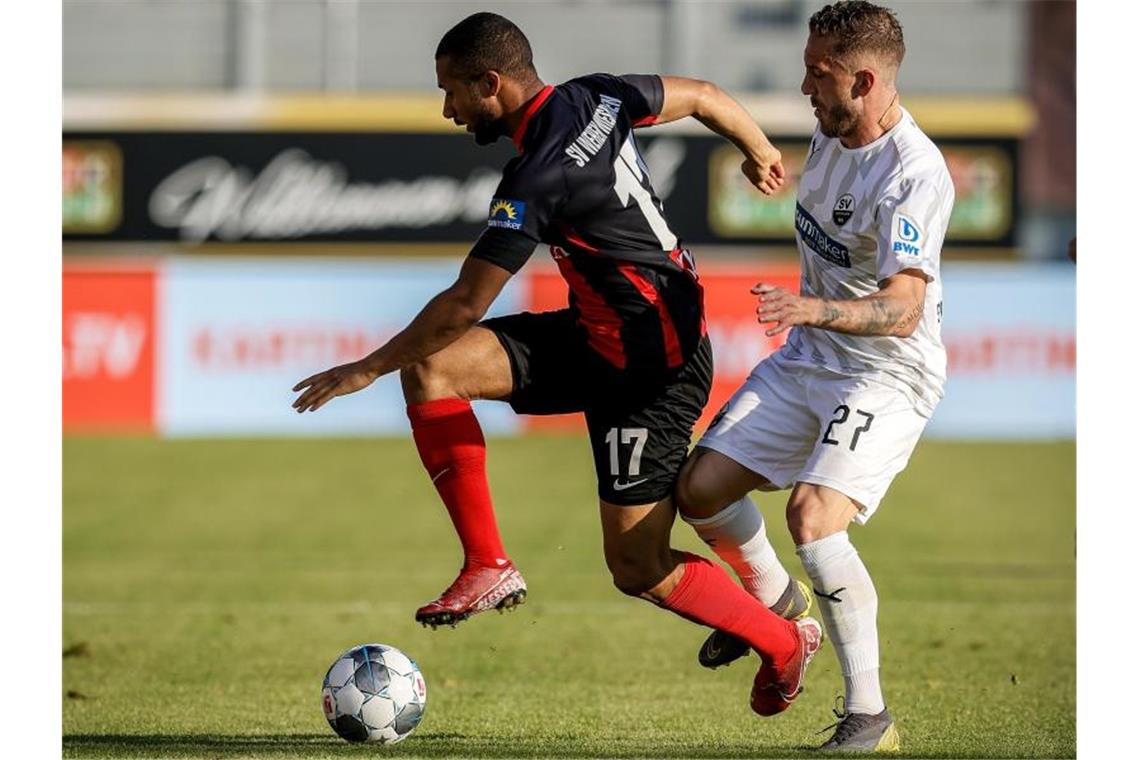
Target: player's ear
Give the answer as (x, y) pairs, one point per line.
(864, 81)
(490, 84)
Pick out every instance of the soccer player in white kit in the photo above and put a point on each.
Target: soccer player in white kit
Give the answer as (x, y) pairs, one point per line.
(835, 414)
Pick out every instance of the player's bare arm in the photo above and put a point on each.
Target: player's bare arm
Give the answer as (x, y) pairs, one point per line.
(444, 319)
(718, 111)
(894, 310)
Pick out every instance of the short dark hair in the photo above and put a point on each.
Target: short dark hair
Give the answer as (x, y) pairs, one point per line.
(485, 41)
(857, 27)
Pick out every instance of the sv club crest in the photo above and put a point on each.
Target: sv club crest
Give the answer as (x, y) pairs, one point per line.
(844, 208)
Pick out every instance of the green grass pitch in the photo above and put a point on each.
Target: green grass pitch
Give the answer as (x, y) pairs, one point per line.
(208, 585)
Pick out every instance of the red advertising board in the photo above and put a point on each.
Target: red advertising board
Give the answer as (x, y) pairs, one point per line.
(1039, 351)
(108, 349)
(141, 355)
(730, 312)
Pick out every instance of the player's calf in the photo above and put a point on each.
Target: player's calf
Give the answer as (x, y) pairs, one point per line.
(722, 648)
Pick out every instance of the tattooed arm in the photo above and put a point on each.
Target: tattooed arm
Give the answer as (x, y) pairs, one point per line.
(895, 310)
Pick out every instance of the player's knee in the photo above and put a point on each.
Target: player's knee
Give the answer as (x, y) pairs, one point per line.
(426, 380)
(628, 583)
(808, 516)
(636, 581)
(635, 575)
(693, 495)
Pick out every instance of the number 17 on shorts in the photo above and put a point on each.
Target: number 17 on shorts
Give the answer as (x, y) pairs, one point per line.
(631, 442)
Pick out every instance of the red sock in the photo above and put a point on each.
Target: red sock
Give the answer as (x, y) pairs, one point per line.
(706, 595)
(454, 454)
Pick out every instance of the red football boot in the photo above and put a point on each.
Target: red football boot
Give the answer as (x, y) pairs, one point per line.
(774, 689)
(477, 589)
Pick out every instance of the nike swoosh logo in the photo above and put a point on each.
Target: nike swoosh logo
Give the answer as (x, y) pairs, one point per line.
(442, 472)
(619, 486)
(833, 596)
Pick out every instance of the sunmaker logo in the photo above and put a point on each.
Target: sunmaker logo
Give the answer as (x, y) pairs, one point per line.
(506, 213)
(819, 241)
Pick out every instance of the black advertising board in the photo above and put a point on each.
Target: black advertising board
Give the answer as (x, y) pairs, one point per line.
(274, 186)
(984, 173)
(197, 187)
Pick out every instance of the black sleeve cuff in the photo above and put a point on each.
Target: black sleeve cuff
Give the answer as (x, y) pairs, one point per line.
(504, 248)
(651, 88)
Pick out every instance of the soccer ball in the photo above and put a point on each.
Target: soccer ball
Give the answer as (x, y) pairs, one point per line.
(374, 693)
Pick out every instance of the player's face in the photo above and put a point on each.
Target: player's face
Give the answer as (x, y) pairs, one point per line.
(464, 104)
(829, 85)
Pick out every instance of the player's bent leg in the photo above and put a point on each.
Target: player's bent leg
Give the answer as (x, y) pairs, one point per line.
(451, 446)
(816, 511)
(818, 517)
(710, 481)
(474, 367)
(635, 542)
(712, 496)
(638, 555)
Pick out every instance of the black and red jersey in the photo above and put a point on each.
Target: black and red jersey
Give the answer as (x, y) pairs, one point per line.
(580, 186)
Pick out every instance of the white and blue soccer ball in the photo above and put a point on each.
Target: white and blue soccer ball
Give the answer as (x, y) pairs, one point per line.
(374, 693)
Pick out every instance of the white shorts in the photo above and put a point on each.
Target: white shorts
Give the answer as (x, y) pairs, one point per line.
(793, 422)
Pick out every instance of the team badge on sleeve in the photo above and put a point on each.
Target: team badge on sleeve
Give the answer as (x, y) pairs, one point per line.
(907, 237)
(506, 213)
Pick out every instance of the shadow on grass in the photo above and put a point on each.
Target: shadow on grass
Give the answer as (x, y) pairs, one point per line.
(421, 745)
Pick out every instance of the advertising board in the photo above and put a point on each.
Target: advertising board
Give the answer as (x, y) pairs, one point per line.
(1009, 332)
(199, 347)
(109, 346)
(235, 187)
(238, 334)
(1010, 337)
(983, 172)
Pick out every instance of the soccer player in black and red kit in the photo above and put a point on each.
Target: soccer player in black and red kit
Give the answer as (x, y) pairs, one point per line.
(630, 351)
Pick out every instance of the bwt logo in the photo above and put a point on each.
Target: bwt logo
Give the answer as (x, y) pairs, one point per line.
(908, 230)
(909, 234)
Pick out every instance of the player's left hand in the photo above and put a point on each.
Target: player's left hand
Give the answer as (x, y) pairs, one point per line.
(779, 305)
(325, 386)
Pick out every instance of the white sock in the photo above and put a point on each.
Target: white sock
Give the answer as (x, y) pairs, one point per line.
(848, 604)
(736, 534)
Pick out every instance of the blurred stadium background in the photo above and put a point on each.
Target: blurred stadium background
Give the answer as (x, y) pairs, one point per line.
(254, 191)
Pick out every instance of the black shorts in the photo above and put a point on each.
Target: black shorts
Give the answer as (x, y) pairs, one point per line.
(640, 424)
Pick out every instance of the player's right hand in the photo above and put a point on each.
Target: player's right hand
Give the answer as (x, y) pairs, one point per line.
(766, 172)
(327, 385)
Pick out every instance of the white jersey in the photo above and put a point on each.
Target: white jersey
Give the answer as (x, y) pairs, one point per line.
(862, 215)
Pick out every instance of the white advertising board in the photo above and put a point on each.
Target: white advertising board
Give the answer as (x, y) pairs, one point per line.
(238, 334)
